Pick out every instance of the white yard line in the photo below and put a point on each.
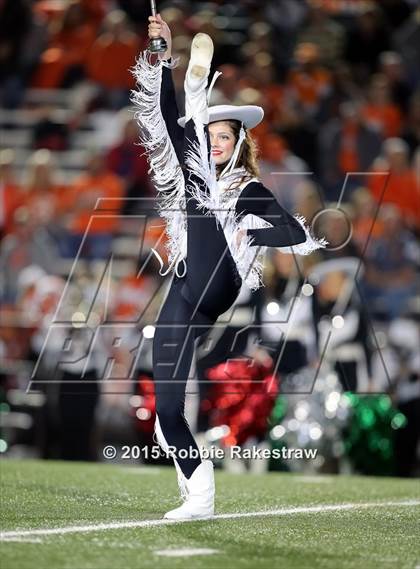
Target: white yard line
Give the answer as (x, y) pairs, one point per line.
(24, 539)
(185, 552)
(12, 535)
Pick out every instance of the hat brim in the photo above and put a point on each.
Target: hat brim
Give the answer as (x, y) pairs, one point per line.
(249, 115)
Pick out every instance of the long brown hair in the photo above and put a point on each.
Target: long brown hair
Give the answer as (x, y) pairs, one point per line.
(247, 156)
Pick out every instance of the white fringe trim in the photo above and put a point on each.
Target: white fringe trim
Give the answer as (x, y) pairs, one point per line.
(166, 171)
(306, 247)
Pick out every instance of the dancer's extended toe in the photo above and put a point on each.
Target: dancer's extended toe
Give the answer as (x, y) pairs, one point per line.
(196, 77)
(202, 50)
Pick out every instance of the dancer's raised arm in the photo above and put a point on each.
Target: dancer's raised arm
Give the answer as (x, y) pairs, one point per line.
(168, 103)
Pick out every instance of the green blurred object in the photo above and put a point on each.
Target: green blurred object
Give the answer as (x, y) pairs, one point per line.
(277, 415)
(369, 435)
(279, 411)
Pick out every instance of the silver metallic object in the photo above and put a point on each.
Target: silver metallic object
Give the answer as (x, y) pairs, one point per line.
(156, 45)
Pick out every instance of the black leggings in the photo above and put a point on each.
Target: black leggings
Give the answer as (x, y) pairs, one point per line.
(193, 304)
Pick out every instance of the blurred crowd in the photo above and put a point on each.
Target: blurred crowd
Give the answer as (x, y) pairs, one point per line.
(339, 84)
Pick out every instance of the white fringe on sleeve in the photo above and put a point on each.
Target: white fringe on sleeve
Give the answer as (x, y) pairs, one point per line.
(167, 175)
(306, 247)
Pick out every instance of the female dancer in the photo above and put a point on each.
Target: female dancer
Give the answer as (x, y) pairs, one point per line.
(219, 220)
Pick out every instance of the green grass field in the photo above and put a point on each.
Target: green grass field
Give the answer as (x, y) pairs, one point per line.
(50, 512)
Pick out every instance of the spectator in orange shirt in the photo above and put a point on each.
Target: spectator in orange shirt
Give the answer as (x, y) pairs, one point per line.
(398, 185)
(392, 66)
(389, 282)
(260, 75)
(11, 195)
(112, 56)
(379, 110)
(347, 145)
(309, 83)
(62, 62)
(281, 170)
(42, 189)
(135, 291)
(366, 224)
(93, 207)
(327, 34)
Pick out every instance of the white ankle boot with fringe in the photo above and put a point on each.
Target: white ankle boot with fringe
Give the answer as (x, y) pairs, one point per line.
(200, 501)
(197, 492)
(196, 78)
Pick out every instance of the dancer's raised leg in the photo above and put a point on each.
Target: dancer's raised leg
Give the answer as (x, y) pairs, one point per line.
(212, 282)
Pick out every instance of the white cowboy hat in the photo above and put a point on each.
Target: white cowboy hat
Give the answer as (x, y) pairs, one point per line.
(249, 115)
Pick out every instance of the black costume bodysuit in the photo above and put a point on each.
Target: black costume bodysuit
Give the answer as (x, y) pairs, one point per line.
(209, 287)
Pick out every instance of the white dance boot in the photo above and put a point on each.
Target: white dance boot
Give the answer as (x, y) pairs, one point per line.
(197, 492)
(200, 501)
(196, 78)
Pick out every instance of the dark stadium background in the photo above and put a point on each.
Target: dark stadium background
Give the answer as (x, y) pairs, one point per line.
(339, 83)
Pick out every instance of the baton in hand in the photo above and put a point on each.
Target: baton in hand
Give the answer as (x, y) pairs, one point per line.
(156, 45)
